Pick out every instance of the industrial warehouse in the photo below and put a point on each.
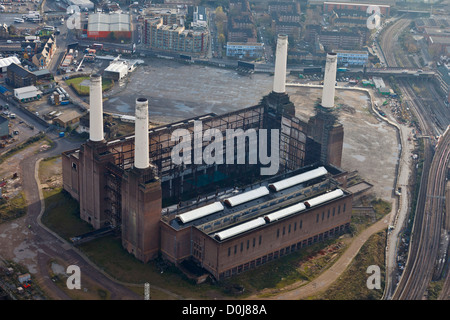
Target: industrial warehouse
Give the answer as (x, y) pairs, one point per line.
(226, 218)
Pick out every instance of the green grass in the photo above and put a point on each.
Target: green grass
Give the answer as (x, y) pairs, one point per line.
(352, 284)
(75, 83)
(62, 214)
(359, 223)
(109, 255)
(434, 289)
(282, 272)
(13, 208)
(23, 145)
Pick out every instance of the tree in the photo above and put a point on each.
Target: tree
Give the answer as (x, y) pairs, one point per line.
(12, 29)
(221, 39)
(220, 15)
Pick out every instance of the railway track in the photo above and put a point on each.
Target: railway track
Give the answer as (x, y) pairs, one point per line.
(429, 217)
(433, 118)
(389, 43)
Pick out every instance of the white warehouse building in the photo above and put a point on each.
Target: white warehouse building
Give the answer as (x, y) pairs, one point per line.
(117, 70)
(82, 4)
(5, 62)
(26, 94)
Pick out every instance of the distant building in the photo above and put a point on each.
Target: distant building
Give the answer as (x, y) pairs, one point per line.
(117, 70)
(5, 93)
(311, 31)
(68, 119)
(284, 6)
(351, 8)
(43, 74)
(113, 26)
(18, 77)
(342, 40)
(290, 28)
(45, 53)
(443, 78)
(26, 94)
(4, 127)
(350, 2)
(200, 15)
(247, 50)
(82, 4)
(352, 57)
(6, 47)
(439, 44)
(24, 277)
(5, 62)
(174, 38)
(241, 26)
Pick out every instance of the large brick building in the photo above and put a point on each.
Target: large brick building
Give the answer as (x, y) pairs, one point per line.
(225, 217)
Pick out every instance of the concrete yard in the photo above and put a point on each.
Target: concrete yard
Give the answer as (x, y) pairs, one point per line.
(177, 91)
(370, 145)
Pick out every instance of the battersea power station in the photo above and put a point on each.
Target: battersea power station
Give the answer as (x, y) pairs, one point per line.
(165, 198)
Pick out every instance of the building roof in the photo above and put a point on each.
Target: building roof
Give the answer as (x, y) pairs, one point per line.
(10, 47)
(249, 203)
(117, 66)
(200, 212)
(379, 83)
(351, 51)
(69, 116)
(19, 70)
(4, 62)
(297, 179)
(82, 3)
(3, 119)
(108, 22)
(355, 4)
(247, 196)
(245, 44)
(279, 214)
(440, 40)
(3, 89)
(42, 72)
(25, 89)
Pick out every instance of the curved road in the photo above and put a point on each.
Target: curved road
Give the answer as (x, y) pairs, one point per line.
(49, 246)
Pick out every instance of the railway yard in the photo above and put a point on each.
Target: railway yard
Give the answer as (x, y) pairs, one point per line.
(427, 233)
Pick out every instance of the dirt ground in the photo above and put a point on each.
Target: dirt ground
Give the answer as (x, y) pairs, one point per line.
(370, 145)
(11, 166)
(15, 232)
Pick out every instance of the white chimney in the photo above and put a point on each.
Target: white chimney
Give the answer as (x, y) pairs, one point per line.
(329, 81)
(96, 109)
(141, 157)
(279, 80)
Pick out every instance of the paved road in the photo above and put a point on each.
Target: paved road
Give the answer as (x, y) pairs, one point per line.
(48, 246)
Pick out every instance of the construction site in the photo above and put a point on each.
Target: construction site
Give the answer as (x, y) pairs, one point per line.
(225, 218)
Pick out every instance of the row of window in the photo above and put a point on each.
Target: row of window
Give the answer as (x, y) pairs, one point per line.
(288, 229)
(247, 246)
(284, 251)
(333, 212)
